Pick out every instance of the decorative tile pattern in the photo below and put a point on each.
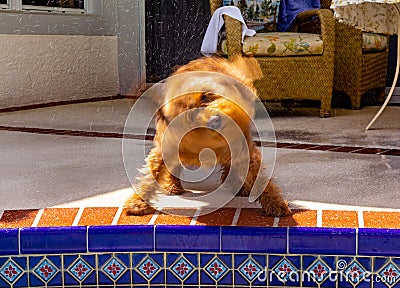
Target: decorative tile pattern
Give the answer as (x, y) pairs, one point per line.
(355, 272)
(216, 269)
(250, 269)
(11, 271)
(319, 271)
(390, 274)
(46, 270)
(114, 268)
(148, 268)
(182, 268)
(373, 263)
(187, 270)
(283, 270)
(80, 269)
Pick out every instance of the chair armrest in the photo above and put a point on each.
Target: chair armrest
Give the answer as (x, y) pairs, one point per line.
(348, 47)
(348, 36)
(214, 5)
(233, 28)
(325, 26)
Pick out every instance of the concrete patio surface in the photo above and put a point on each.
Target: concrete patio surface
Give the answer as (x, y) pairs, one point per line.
(48, 159)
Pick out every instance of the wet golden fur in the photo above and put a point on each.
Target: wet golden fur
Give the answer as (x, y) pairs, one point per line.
(236, 106)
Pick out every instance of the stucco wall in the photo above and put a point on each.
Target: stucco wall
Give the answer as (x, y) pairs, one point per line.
(48, 68)
(36, 66)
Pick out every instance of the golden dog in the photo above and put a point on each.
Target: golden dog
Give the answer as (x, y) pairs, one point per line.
(207, 104)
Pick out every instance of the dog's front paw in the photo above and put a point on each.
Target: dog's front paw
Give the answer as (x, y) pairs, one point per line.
(137, 206)
(172, 189)
(279, 209)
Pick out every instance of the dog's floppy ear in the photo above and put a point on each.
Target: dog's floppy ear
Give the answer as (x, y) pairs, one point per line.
(249, 68)
(161, 125)
(160, 117)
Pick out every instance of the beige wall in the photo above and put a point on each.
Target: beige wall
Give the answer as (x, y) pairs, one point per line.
(120, 22)
(49, 68)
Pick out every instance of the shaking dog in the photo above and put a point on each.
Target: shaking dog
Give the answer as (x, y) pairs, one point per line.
(207, 105)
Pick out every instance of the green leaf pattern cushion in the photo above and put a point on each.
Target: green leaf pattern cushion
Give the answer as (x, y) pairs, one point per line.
(280, 44)
(283, 44)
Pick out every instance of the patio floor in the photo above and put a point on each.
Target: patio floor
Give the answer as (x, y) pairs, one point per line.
(63, 166)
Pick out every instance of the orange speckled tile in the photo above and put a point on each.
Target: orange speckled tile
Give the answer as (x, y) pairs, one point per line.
(332, 218)
(220, 217)
(306, 218)
(58, 217)
(97, 216)
(18, 218)
(125, 219)
(381, 219)
(254, 217)
(173, 217)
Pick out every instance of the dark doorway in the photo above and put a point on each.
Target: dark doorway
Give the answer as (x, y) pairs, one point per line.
(174, 32)
(392, 62)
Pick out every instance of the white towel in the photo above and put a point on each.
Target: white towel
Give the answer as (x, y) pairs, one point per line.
(210, 41)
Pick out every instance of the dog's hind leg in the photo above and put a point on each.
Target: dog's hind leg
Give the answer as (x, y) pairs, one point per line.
(271, 198)
(272, 201)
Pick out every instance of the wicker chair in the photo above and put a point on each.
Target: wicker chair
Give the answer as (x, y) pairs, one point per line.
(293, 77)
(357, 72)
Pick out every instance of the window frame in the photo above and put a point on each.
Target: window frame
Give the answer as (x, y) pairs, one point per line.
(16, 6)
(5, 6)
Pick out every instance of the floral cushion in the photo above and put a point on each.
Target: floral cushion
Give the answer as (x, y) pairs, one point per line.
(379, 16)
(373, 42)
(281, 44)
